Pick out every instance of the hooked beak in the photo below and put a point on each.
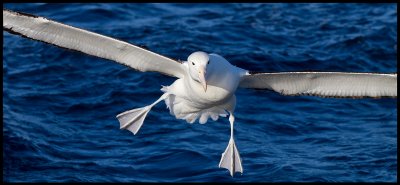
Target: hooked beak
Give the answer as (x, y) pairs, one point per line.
(202, 77)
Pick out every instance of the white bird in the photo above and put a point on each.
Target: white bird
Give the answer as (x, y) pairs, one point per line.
(206, 83)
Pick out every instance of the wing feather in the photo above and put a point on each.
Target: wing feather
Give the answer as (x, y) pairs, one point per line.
(325, 84)
(45, 30)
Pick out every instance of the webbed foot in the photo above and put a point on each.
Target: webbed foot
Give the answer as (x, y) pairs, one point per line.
(133, 119)
(231, 159)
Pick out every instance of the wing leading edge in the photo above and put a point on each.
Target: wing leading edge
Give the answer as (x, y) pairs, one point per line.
(325, 84)
(51, 32)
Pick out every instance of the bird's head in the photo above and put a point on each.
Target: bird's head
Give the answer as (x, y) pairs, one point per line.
(198, 62)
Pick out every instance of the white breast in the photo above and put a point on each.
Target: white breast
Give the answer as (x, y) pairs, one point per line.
(222, 81)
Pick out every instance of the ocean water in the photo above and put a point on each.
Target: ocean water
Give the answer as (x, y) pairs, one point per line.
(59, 106)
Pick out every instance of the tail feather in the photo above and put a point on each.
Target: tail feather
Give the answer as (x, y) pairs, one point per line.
(204, 117)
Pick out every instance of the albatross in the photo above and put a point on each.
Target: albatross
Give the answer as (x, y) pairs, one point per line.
(206, 82)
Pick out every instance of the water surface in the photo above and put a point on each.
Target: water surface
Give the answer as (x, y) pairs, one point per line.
(59, 106)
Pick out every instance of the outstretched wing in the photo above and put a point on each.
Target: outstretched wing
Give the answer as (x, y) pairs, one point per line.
(42, 29)
(325, 84)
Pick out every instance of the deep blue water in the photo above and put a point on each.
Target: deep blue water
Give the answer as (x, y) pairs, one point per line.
(59, 106)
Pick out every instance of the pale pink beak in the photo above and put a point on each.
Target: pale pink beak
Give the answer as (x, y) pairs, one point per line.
(202, 78)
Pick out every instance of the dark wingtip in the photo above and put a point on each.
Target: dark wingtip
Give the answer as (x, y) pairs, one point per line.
(144, 47)
(21, 13)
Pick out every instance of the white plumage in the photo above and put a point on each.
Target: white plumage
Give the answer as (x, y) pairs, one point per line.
(206, 84)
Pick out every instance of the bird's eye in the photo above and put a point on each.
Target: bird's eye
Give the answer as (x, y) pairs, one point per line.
(208, 62)
(193, 63)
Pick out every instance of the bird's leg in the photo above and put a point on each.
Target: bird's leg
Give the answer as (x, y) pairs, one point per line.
(230, 158)
(133, 119)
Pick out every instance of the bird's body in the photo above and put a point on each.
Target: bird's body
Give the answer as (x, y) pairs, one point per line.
(206, 83)
(187, 99)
